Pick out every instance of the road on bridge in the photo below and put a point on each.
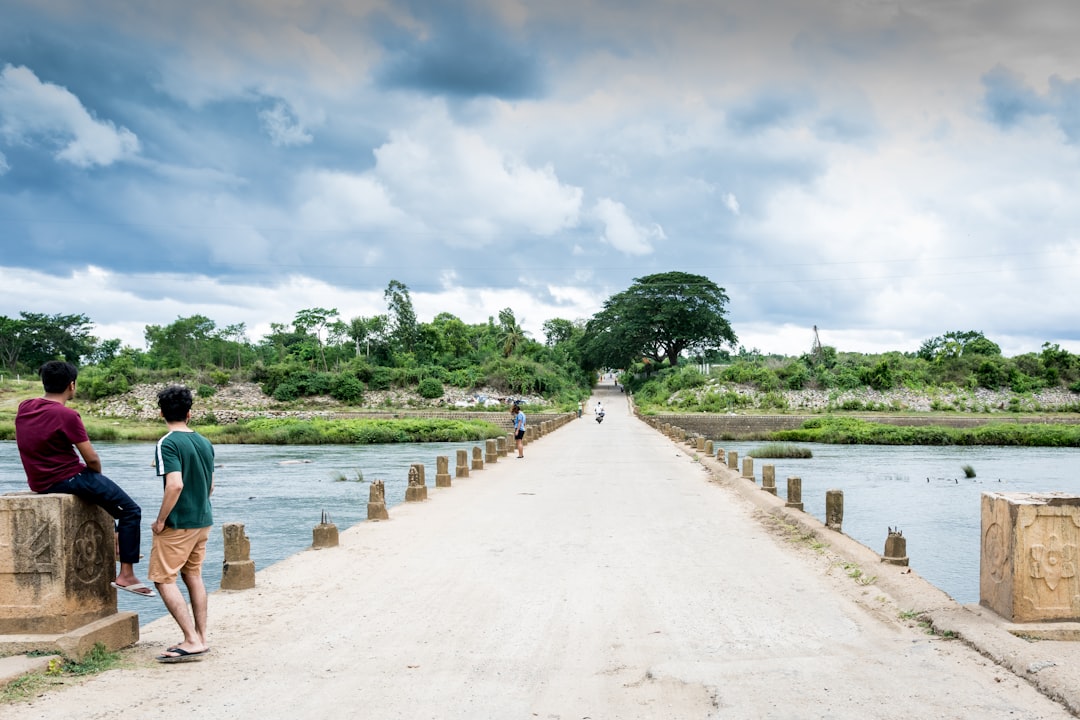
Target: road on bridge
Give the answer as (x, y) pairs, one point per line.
(605, 575)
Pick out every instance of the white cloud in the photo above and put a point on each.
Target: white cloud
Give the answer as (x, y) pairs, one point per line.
(4, 167)
(731, 203)
(32, 110)
(621, 232)
(468, 191)
(284, 128)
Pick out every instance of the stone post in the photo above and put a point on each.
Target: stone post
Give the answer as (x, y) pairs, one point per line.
(733, 460)
(325, 534)
(748, 468)
(895, 548)
(56, 567)
(834, 510)
(794, 493)
(477, 458)
(492, 454)
(376, 507)
(721, 456)
(502, 443)
(700, 443)
(417, 490)
(768, 479)
(442, 471)
(1029, 556)
(462, 469)
(238, 569)
(709, 448)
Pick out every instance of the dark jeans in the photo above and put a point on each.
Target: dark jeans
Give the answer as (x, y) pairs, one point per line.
(103, 492)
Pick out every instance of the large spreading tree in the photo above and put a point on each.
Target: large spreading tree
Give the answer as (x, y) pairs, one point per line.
(658, 318)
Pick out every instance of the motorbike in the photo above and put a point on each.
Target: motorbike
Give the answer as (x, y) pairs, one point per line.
(600, 417)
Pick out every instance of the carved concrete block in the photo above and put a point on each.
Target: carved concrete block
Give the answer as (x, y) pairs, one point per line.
(442, 471)
(492, 454)
(1027, 570)
(376, 507)
(57, 560)
(462, 468)
(477, 458)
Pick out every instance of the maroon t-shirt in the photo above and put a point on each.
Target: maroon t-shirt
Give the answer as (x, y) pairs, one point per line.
(46, 433)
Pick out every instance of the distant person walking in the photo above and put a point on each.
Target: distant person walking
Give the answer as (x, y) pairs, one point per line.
(519, 429)
(48, 434)
(185, 460)
(598, 411)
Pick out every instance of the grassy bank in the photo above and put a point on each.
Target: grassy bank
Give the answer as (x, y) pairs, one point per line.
(292, 431)
(851, 431)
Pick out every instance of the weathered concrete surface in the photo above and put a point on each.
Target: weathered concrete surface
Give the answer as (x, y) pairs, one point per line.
(608, 575)
(1027, 570)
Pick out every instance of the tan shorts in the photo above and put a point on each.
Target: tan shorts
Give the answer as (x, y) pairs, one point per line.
(176, 551)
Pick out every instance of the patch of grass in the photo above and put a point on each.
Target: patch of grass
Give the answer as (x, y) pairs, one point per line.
(969, 472)
(910, 615)
(98, 660)
(855, 572)
(781, 450)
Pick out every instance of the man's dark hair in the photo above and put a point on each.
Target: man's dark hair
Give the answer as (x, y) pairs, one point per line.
(56, 375)
(175, 402)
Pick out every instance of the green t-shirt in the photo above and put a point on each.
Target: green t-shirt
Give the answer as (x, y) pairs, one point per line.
(192, 455)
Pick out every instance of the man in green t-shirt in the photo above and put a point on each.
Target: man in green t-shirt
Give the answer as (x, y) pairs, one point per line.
(185, 459)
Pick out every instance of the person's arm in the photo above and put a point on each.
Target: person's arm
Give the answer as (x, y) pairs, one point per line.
(174, 485)
(89, 456)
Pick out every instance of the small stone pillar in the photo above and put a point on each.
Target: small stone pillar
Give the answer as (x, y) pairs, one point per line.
(501, 443)
(794, 493)
(1029, 555)
(477, 458)
(462, 468)
(325, 534)
(700, 443)
(709, 448)
(238, 569)
(834, 510)
(57, 560)
(748, 468)
(376, 507)
(417, 490)
(733, 460)
(895, 548)
(492, 453)
(721, 456)
(768, 479)
(442, 471)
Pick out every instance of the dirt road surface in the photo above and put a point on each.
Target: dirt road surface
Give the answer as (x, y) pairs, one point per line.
(605, 576)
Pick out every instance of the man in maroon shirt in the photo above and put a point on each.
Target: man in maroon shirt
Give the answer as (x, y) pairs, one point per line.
(48, 433)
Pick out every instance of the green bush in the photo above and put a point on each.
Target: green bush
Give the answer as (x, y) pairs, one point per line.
(380, 378)
(430, 388)
(347, 388)
(206, 391)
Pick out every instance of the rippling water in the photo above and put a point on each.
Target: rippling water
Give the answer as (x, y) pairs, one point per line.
(921, 490)
(279, 504)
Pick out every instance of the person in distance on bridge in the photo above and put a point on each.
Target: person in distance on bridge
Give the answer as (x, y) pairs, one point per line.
(519, 429)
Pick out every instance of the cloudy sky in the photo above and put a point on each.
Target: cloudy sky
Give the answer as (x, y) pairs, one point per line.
(886, 171)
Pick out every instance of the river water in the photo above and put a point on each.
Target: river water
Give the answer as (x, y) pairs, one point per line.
(279, 493)
(922, 491)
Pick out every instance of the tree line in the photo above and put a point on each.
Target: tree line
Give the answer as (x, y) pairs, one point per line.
(660, 321)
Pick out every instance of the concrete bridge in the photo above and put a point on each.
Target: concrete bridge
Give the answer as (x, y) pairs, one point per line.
(611, 573)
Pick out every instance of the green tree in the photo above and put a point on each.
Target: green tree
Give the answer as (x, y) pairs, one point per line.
(659, 317)
(511, 336)
(184, 343)
(54, 337)
(314, 321)
(403, 330)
